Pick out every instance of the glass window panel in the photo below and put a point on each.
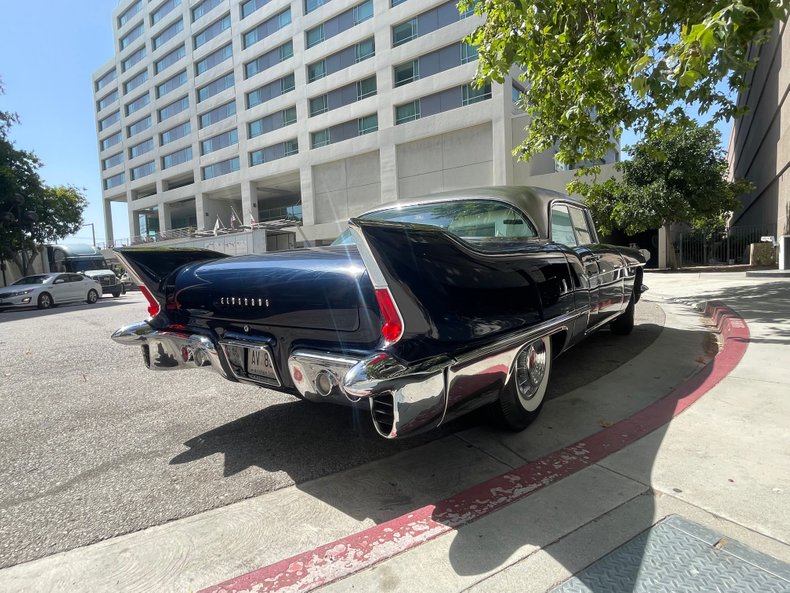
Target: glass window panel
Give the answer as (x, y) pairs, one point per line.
(317, 105)
(106, 79)
(111, 140)
(130, 12)
(141, 148)
(170, 59)
(204, 8)
(138, 126)
(171, 84)
(133, 59)
(363, 12)
(287, 83)
(580, 225)
(114, 181)
(135, 81)
(320, 138)
(173, 108)
(212, 31)
(404, 32)
(468, 52)
(215, 87)
(179, 131)
(561, 226)
(107, 100)
(218, 114)
(407, 112)
(366, 88)
(131, 36)
(176, 158)
(316, 70)
(219, 141)
(213, 59)
(112, 161)
(368, 124)
(163, 10)
(143, 170)
(111, 119)
(289, 116)
(168, 34)
(364, 50)
(315, 35)
(221, 168)
(137, 104)
(475, 95)
(291, 147)
(406, 73)
(247, 8)
(311, 5)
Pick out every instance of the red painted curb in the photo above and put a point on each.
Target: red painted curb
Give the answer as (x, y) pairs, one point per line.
(346, 556)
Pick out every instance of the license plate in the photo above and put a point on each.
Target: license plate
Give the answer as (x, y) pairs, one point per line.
(252, 362)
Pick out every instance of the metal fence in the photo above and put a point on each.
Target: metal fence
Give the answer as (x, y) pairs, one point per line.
(697, 248)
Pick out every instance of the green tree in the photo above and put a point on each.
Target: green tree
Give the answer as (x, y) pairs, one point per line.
(593, 67)
(676, 175)
(31, 213)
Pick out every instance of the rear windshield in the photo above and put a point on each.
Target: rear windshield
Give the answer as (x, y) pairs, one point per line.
(466, 219)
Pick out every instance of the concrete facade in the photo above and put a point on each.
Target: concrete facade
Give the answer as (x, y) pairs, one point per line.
(167, 175)
(760, 143)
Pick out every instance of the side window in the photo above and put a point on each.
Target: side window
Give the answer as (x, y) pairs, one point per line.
(581, 227)
(561, 226)
(61, 279)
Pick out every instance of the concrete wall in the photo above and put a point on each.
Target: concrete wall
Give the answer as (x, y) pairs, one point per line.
(760, 143)
(347, 187)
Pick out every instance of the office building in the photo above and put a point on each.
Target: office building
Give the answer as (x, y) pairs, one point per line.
(213, 111)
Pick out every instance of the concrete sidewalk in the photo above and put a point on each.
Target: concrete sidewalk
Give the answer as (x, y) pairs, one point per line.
(722, 464)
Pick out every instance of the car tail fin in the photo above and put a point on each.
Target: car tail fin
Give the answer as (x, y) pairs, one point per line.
(150, 267)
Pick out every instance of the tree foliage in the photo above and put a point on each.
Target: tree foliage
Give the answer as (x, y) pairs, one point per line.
(31, 212)
(677, 175)
(593, 67)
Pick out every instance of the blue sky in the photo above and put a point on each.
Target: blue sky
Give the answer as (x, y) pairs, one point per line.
(48, 53)
(47, 56)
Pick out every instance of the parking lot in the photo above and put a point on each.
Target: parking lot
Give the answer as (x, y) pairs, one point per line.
(93, 445)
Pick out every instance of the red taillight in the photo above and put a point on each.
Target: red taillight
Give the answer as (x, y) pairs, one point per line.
(393, 324)
(153, 304)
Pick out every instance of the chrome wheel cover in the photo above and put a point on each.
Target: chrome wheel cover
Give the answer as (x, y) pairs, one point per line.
(530, 370)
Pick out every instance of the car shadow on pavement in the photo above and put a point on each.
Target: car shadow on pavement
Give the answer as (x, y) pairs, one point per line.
(391, 487)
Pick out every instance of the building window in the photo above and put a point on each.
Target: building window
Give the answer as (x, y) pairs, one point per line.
(138, 126)
(137, 104)
(291, 147)
(311, 5)
(171, 84)
(364, 50)
(168, 34)
(212, 31)
(213, 59)
(314, 36)
(320, 138)
(134, 82)
(467, 13)
(267, 28)
(176, 158)
(468, 53)
(517, 94)
(247, 8)
(366, 88)
(219, 141)
(317, 105)
(112, 161)
(362, 12)
(129, 13)
(107, 100)
(114, 181)
(404, 32)
(133, 59)
(141, 148)
(111, 141)
(106, 79)
(204, 8)
(289, 116)
(143, 170)
(215, 87)
(217, 114)
(163, 10)
(368, 124)
(170, 59)
(406, 73)
(269, 59)
(111, 119)
(179, 131)
(316, 70)
(127, 39)
(221, 168)
(287, 84)
(173, 108)
(394, 3)
(407, 112)
(474, 95)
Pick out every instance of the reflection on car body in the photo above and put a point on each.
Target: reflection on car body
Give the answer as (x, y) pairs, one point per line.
(421, 311)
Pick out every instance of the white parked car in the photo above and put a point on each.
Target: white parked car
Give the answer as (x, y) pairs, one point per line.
(47, 290)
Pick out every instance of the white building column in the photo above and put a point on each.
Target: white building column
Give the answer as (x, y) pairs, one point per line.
(163, 213)
(204, 223)
(501, 108)
(107, 206)
(249, 196)
(388, 157)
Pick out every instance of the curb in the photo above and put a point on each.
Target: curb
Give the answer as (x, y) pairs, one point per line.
(341, 558)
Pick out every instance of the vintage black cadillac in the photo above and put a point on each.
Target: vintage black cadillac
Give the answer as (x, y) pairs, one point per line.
(421, 311)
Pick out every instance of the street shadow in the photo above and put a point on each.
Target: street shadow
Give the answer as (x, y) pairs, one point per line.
(334, 436)
(32, 313)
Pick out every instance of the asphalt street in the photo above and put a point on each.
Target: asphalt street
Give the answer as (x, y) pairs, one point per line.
(93, 445)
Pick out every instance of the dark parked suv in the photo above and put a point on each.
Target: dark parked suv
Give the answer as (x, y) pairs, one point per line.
(110, 283)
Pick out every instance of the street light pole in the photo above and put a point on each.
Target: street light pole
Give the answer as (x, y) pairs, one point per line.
(93, 231)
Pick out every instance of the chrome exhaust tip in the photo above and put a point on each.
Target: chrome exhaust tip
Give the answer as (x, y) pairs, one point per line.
(325, 382)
